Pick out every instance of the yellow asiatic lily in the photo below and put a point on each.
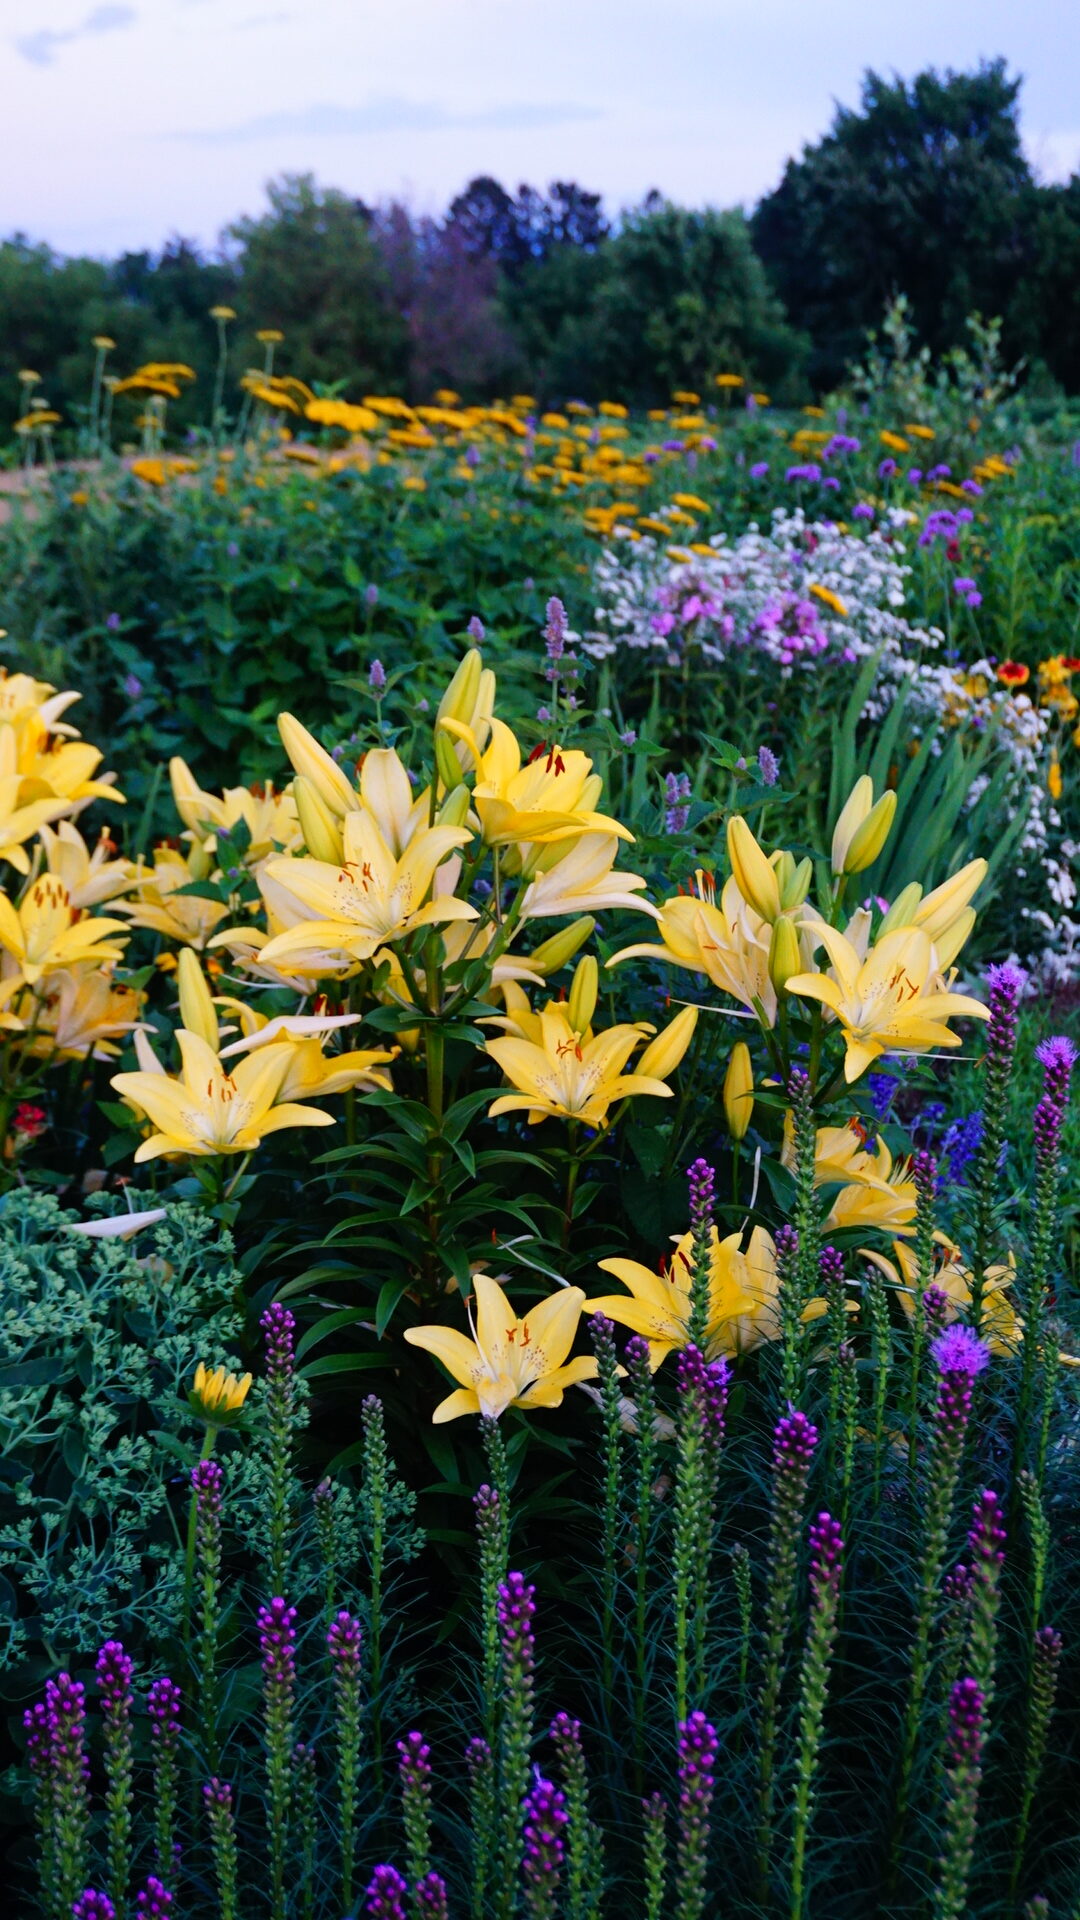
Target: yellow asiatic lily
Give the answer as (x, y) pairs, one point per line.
(371, 899)
(744, 1309)
(19, 823)
(89, 877)
(508, 1361)
(269, 815)
(551, 798)
(874, 1191)
(891, 1002)
(45, 931)
(80, 1010)
(209, 1110)
(161, 905)
(581, 878)
(729, 943)
(571, 1075)
(311, 1071)
(50, 766)
(1001, 1326)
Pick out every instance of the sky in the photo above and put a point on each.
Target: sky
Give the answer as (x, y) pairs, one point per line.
(126, 121)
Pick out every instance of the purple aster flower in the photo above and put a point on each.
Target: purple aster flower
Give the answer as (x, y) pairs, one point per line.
(962, 584)
(914, 476)
(629, 738)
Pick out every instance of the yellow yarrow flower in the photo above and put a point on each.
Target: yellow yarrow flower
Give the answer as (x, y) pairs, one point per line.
(508, 1361)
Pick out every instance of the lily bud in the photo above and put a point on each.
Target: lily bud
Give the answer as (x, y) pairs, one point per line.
(794, 891)
(199, 861)
(941, 907)
(188, 798)
(459, 700)
(754, 876)
(447, 763)
(785, 959)
(869, 838)
(663, 1054)
(583, 992)
(557, 952)
(322, 834)
(333, 786)
(852, 814)
(197, 1012)
(903, 909)
(783, 865)
(739, 1089)
(454, 810)
(948, 944)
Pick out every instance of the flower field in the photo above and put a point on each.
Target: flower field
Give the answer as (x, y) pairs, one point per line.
(539, 1232)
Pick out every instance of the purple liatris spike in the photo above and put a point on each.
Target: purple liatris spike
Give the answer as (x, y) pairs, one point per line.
(966, 1716)
(935, 1308)
(431, 1898)
(277, 1643)
(36, 1727)
(516, 1607)
(114, 1669)
(698, 1745)
(826, 1554)
(163, 1708)
(414, 1773)
(958, 1585)
(386, 1895)
(831, 1268)
(279, 1328)
(344, 1641)
(702, 1181)
(960, 1356)
(92, 1906)
(207, 1481)
(794, 1440)
(677, 791)
(986, 1539)
(543, 1848)
(155, 1902)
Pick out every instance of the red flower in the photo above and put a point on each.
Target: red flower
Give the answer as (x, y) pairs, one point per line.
(1013, 673)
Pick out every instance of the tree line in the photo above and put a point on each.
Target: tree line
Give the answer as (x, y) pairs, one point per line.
(924, 189)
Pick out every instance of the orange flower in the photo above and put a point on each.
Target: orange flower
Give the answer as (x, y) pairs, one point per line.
(1013, 673)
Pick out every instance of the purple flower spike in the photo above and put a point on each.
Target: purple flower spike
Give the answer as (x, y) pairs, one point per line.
(207, 1482)
(794, 1440)
(377, 677)
(386, 1895)
(555, 630)
(344, 1641)
(967, 1707)
(475, 630)
(114, 1669)
(163, 1707)
(516, 1606)
(277, 1642)
(545, 1823)
(826, 1553)
(986, 1539)
(935, 1308)
(92, 1906)
(279, 1328)
(960, 1351)
(431, 1898)
(155, 1902)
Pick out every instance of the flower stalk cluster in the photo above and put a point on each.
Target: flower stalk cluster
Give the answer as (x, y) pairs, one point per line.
(516, 1608)
(163, 1709)
(794, 1444)
(702, 1397)
(279, 1331)
(277, 1646)
(826, 1573)
(344, 1646)
(114, 1669)
(697, 1751)
(965, 1742)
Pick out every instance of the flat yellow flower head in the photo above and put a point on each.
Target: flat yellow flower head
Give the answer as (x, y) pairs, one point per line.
(218, 1398)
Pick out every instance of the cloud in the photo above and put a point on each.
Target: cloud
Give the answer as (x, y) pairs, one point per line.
(390, 114)
(40, 48)
(262, 20)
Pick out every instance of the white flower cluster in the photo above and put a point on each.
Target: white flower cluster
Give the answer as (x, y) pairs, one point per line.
(803, 593)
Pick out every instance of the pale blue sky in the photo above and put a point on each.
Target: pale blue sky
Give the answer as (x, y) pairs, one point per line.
(130, 119)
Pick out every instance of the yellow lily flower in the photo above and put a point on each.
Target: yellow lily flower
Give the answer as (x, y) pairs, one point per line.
(551, 798)
(332, 785)
(945, 915)
(45, 931)
(508, 1361)
(744, 1309)
(211, 1111)
(882, 1003)
(81, 1011)
(160, 905)
(465, 711)
(50, 766)
(270, 816)
(729, 943)
(862, 828)
(571, 1075)
(1001, 1325)
(89, 877)
(19, 823)
(310, 1071)
(874, 1192)
(372, 898)
(581, 878)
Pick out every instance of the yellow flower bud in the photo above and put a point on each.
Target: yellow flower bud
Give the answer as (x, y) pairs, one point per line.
(197, 1013)
(785, 960)
(754, 876)
(560, 949)
(460, 698)
(940, 908)
(322, 834)
(665, 1051)
(583, 992)
(794, 891)
(446, 761)
(957, 934)
(852, 814)
(316, 765)
(218, 1397)
(903, 910)
(739, 1088)
(870, 836)
(455, 808)
(200, 861)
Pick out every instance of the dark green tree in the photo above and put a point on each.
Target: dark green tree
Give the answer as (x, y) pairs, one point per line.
(924, 190)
